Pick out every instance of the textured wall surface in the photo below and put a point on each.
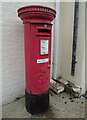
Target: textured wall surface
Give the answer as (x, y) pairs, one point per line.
(67, 13)
(85, 45)
(0, 61)
(13, 71)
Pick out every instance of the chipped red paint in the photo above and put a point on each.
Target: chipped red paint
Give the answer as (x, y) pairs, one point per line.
(37, 74)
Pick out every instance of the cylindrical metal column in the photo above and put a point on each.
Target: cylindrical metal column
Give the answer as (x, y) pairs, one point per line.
(37, 35)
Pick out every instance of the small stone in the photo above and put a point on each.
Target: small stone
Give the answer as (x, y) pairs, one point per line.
(81, 96)
(82, 113)
(70, 98)
(44, 116)
(50, 108)
(65, 102)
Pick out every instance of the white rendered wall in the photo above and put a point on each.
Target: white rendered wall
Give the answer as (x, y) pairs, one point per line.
(0, 61)
(67, 13)
(85, 45)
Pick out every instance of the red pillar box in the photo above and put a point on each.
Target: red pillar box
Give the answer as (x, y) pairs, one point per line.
(37, 35)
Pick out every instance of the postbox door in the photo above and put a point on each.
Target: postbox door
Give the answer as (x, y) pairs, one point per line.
(40, 58)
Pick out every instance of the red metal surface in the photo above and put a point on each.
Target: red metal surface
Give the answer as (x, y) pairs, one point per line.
(37, 74)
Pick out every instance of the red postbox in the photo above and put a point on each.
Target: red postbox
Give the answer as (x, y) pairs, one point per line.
(37, 35)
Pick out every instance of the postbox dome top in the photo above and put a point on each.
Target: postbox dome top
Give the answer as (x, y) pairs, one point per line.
(36, 11)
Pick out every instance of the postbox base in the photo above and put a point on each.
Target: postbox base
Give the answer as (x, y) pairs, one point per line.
(36, 104)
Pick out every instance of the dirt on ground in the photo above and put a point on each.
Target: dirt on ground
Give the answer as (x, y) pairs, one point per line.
(61, 106)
